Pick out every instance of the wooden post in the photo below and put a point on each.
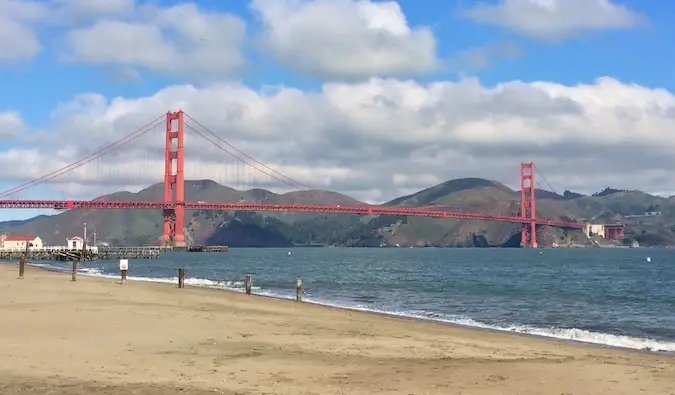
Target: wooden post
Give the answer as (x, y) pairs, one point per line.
(23, 259)
(249, 284)
(298, 290)
(74, 271)
(22, 266)
(124, 266)
(181, 278)
(83, 255)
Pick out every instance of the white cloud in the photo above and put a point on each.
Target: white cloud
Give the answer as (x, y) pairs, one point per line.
(376, 139)
(345, 38)
(71, 11)
(21, 20)
(555, 19)
(18, 39)
(11, 124)
(179, 40)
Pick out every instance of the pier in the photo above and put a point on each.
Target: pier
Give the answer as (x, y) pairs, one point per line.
(207, 249)
(141, 252)
(90, 254)
(60, 253)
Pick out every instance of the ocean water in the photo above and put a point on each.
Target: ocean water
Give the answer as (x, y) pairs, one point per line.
(606, 296)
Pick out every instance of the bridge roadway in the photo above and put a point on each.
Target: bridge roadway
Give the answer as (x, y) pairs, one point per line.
(299, 208)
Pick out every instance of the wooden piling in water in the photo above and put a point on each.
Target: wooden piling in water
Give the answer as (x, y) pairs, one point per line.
(181, 278)
(73, 271)
(298, 290)
(249, 284)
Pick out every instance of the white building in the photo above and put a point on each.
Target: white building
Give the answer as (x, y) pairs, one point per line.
(19, 242)
(75, 243)
(595, 229)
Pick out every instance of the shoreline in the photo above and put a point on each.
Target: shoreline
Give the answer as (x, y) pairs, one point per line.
(400, 315)
(98, 336)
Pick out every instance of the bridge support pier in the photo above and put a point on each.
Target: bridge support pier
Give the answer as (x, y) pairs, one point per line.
(528, 230)
(174, 181)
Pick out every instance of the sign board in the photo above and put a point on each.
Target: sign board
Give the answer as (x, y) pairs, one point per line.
(124, 264)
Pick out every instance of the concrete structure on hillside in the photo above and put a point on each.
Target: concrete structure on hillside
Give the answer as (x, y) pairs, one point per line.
(595, 229)
(75, 243)
(8, 242)
(607, 231)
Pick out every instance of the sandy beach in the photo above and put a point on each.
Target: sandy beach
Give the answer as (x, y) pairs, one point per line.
(96, 336)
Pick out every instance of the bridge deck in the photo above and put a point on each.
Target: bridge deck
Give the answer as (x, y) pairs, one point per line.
(302, 208)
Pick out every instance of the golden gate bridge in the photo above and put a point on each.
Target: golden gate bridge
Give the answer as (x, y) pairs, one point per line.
(173, 205)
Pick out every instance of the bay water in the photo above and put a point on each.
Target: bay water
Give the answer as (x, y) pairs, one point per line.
(617, 297)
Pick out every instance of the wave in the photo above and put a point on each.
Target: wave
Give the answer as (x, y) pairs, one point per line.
(193, 281)
(573, 334)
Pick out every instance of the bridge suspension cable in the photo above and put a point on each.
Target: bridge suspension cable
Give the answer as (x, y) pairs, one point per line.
(95, 155)
(280, 177)
(541, 174)
(269, 171)
(177, 205)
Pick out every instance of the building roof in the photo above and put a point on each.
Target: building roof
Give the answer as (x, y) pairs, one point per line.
(76, 238)
(20, 238)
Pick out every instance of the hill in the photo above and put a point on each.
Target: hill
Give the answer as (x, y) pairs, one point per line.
(140, 227)
(466, 194)
(245, 229)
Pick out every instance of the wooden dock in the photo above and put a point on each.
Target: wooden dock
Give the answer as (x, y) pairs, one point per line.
(140, 252)
(103, 253)
(207, 249)
(92, 253)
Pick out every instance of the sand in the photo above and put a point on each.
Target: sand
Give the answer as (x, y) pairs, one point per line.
(96, 336)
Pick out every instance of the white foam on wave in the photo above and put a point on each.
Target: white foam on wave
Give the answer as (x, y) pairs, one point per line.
(573, 334)
(192, 281)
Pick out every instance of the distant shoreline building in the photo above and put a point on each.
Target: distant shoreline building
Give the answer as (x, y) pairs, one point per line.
(75, 243)
(19, 242)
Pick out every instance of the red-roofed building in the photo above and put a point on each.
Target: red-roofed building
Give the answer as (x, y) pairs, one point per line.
(19, 242)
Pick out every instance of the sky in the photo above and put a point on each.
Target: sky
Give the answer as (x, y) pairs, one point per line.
(374, 99)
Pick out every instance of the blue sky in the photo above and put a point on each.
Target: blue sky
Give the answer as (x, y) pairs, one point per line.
(636, 55)
(632, 51)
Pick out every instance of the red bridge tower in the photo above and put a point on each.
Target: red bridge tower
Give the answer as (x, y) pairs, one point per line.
(174, 182)
(528, 231)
